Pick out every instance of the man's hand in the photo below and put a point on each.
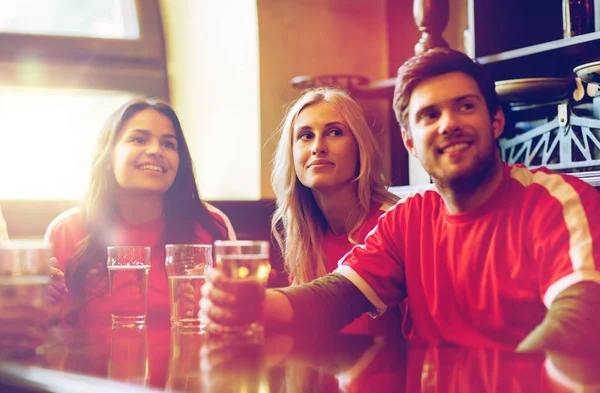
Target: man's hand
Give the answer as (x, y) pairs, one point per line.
(219, 303)
(222, 307)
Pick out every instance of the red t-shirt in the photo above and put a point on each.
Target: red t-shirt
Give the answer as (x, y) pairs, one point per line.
(67, 230)
(483, 278)
(334, 249)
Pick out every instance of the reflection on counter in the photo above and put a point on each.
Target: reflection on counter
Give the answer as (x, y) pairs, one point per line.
(176, 361)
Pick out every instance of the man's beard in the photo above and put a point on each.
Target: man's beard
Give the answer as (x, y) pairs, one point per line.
(481, 171)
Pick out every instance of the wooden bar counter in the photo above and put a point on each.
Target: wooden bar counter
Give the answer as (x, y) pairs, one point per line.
(158, 359)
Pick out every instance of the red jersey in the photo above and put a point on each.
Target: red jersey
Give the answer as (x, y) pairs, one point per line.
(482, 278)
(334, 249)
(67, 230)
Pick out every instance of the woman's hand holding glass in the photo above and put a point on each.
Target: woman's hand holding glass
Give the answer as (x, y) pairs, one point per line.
(57, 290)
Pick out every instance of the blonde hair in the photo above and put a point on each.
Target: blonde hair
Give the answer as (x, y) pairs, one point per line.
(298, 225)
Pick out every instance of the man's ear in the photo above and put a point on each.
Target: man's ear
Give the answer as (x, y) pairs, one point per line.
(498, 122)
(408, 142)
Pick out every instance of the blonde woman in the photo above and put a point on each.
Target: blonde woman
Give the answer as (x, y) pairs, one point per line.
(331, 189)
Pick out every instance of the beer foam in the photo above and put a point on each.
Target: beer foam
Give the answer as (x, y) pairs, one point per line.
(128, 267)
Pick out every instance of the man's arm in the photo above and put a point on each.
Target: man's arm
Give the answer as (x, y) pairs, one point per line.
(327, 304)
(572, 323)
(330, 303)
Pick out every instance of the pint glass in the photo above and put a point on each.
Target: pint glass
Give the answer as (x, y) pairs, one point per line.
(128, 268)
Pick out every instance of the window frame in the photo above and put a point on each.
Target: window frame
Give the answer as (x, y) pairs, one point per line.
(48, 61)
(147, 47)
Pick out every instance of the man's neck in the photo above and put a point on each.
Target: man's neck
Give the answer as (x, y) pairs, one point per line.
(461, 199)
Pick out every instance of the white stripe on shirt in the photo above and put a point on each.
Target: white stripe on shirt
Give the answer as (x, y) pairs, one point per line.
(580, 238)
(364, 287)
(355, 278)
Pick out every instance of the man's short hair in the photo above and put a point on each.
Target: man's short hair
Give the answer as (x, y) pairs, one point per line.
(436, 62)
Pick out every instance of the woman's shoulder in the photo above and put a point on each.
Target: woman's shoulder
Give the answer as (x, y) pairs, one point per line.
(66, 227)
(69, 219)
(219, 215)
(377, 210)
(65, 232)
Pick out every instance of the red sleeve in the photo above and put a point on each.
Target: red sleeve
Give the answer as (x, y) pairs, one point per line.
(377, 267)
(564, 231)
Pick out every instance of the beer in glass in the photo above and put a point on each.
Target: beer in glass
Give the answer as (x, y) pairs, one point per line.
(246, 265)
(186, 266)
(128, 268)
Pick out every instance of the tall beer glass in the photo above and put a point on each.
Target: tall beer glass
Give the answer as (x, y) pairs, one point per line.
(128, 268)
(186, 266)
(246, 264)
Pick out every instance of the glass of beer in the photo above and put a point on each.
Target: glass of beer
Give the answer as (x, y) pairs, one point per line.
(24, 279)
(186, 266)
(246, 264)
(128, 268)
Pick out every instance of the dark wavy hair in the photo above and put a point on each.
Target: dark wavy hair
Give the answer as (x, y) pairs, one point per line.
(436, 62)
(86, 273)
